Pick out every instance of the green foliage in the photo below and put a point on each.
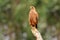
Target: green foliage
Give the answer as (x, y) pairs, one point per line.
(48, 10)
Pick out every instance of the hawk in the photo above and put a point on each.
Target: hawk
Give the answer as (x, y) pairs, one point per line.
(33, 17)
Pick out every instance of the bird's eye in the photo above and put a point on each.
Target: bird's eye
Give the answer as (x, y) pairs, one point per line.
(32, 6)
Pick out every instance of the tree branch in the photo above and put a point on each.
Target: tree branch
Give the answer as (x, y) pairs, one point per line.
(36, 33)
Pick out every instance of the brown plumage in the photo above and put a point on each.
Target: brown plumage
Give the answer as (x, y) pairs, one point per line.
(33, 17)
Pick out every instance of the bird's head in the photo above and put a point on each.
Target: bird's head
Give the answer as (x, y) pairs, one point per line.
(32, 7)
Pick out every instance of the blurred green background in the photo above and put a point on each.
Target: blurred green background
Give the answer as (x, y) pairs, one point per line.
(14, 19)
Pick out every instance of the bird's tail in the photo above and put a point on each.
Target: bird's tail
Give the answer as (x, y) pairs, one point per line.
(36, 25)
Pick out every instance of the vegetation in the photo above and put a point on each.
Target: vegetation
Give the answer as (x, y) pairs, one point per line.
(14, 19)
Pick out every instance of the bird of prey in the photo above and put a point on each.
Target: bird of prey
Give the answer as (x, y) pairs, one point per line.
(33, 17)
